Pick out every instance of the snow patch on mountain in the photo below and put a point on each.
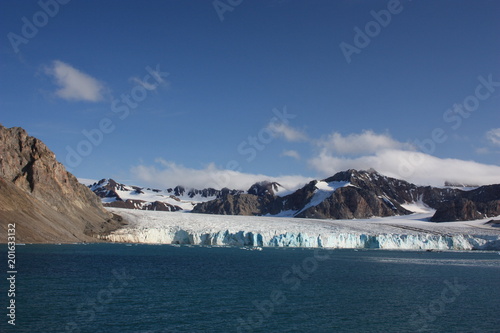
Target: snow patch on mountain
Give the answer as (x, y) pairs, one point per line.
(418, 207)
(323, 191)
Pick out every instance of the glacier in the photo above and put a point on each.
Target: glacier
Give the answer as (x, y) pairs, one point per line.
(402, 233)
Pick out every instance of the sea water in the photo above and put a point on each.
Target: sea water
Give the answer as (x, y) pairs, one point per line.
(163, 288)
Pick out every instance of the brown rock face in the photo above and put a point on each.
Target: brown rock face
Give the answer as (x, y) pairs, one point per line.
(239, 204)
(353, 203)
(460, 209)
(476, 204)
(46, 202)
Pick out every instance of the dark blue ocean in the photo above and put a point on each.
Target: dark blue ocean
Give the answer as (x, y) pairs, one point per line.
(161, 288)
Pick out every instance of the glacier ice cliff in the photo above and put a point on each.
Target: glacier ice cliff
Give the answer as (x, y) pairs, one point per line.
(289, 239)
(199, 229)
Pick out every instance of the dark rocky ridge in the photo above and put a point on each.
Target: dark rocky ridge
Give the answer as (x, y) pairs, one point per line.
(46, 202)
(369, 194)
(179, 191)
(470, 205)
(108, 189)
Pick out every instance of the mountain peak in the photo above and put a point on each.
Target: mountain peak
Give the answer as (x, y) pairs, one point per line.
(351, 174)
(265, 187)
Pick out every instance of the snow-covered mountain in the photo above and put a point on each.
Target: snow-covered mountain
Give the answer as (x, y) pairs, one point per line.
(350, 194)
(354, 194)
(119, 195)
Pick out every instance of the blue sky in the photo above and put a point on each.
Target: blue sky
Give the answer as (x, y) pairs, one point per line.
(205, 93)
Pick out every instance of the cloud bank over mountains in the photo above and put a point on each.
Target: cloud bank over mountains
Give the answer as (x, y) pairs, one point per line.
(329, 155)
(396, 159)
(166, 174)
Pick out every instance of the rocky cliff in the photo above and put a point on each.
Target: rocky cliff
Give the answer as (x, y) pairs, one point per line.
(470, 205)
(46, 203)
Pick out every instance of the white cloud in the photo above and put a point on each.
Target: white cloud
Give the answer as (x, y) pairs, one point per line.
(415, 167)
(169, 174)
(291, 153)
(494, 136)
(366, 142)
(397, 159)
(287, 132)
(74, 84)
